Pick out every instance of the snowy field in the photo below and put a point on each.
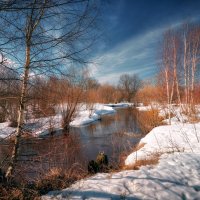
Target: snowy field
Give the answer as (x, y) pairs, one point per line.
(176, 176)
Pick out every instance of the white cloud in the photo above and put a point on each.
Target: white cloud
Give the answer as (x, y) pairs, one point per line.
(114, 77)
(136, 55)
(126, 57)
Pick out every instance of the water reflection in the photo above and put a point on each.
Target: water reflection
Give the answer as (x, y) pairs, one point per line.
(106, 134)
(38, 155)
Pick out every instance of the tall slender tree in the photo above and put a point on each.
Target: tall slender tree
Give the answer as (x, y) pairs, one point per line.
(180, 53)
(42, 37)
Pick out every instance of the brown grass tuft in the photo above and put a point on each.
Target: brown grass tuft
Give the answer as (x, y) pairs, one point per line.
(56, 179)
(149, 120)
(152, 160)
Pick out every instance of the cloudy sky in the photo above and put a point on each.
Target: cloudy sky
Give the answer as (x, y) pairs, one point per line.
(132, 32)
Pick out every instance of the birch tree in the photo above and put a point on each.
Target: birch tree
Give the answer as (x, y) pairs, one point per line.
(180, 53)
(185, 58)
(167, 69)
(194, 57)
(170, 67)
(42, 37)
(190, 38)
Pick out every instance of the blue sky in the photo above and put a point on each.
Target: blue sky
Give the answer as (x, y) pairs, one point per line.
(132, 32)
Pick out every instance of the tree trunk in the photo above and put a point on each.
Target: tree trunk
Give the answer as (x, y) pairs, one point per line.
(185, 72)
(188, 88)
(168, 95)
(192, 84)
(20, 120)
(194, 65)
(175, 55)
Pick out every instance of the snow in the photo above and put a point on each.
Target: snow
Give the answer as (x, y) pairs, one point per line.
(169, 138)
(101, 109)
(5, 130)
(177, 117)
(120, 105)
(176, 176)
(145, 108)
(172, 178)
(151, 106)
(84, 118)
(41, 126)
(88, 116)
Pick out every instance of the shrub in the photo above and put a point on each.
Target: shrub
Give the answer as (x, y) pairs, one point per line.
(13, 191)
(93, 167)
(100, 165)
(2, 116)
(148, 120)
(57, 179)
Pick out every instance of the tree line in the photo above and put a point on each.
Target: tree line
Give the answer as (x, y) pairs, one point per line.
(180, 58)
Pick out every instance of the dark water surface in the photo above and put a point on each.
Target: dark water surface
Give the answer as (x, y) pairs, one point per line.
(114, 134)
(108, 134)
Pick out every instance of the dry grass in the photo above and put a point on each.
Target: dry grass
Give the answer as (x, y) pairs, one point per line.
(149, 120)
(124, 155)
(192, 113)
(138, 147)
(152, 160)
(13, 191)
(193, 117)
(54, 179)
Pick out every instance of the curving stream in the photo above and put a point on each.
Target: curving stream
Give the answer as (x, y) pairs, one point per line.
(114, 134)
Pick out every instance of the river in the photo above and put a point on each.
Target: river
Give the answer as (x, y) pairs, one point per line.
(115, 135)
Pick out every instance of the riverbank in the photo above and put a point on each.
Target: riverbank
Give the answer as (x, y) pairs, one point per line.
(175, 176)
(43, 126)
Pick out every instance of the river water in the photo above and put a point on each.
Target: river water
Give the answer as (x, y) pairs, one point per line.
(108, 134)
(115, 135)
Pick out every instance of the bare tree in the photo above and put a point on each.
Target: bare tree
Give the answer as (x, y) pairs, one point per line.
(41, 37)
(129, 85)
(194, 56)
(9, 92)
(90, 86)
(180, 53)
(190, 38)
(69, 101)
(171, 67)
(185, 61)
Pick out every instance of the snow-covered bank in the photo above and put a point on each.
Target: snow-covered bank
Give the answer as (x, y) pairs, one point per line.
(120, 105)
(86, 116)
(176, 176)
(169, 138)
(6, 130)
(176, 112)
(42, 126)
